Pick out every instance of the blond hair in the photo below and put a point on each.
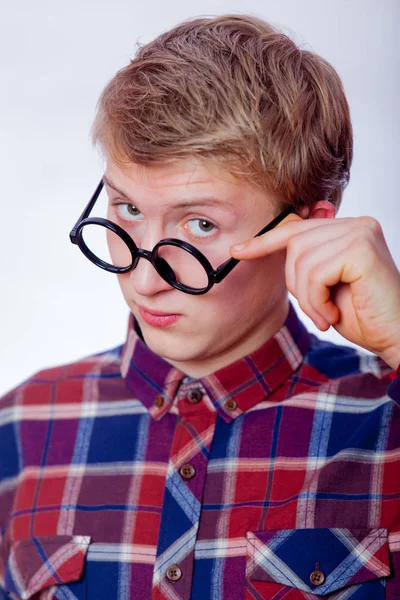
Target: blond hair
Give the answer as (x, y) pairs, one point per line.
(232, 89)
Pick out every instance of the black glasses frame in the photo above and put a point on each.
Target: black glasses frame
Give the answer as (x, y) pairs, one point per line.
(160, 265)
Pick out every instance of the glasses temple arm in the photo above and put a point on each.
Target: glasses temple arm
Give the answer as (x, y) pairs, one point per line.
(276, 221)
(226, 267)
(88, 208)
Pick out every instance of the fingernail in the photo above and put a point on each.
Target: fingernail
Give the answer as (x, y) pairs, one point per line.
(238, 247)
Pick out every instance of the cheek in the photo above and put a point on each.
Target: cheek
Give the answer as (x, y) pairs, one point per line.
(251, 287)
(256, 276)
(119, 253)
(249, 290)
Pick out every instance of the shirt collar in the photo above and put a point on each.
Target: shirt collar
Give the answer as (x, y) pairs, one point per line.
(234, 389)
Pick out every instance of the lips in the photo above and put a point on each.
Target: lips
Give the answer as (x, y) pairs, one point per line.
(156, 313)
(158, 318)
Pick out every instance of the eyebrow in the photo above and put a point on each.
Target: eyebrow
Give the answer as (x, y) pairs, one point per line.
(184, 204)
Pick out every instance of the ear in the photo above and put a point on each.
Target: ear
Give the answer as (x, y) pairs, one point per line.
(323, 209)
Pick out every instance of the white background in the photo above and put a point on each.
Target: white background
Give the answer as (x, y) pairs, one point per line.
(55, 58)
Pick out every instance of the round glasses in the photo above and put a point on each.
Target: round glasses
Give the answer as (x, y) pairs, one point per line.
(179, 263)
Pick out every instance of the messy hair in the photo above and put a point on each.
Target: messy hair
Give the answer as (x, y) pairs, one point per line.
(233, 90)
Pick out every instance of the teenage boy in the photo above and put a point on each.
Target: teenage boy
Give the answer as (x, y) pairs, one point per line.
(223, 451)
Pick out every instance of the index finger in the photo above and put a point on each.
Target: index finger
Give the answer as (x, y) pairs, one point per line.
(276, 239)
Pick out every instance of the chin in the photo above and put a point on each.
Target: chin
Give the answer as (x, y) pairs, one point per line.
(163, 343)
(178, 352)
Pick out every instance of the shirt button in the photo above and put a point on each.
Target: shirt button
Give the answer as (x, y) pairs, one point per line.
(195, 396)
(230, 404)
(317, 577)
(158, 401)
(187, 471)
(174, 573)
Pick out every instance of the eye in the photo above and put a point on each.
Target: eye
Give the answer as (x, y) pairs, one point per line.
(201, 228)
(127, 211)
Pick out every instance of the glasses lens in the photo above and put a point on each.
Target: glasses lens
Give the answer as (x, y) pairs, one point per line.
(100, 240)
(184, 267)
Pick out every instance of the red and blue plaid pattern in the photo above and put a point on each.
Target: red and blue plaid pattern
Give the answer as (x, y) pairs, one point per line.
(122, 478)
(355, 560)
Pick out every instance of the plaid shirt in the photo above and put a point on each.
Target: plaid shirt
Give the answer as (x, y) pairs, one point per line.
(275, 477)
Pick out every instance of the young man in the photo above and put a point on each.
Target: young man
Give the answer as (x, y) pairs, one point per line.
(222, 451)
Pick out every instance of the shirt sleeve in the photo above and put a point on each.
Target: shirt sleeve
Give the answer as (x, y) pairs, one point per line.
(394, 390)
(391, 487)
(9, 470)
(392, 377)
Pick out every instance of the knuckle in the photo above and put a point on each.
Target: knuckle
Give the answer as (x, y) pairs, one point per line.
(293, 246)
(364, 245)
(299, 264)
(315, 276)
(371, 224)
(302, 262)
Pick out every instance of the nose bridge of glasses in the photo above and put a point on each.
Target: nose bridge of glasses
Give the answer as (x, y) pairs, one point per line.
(141, 253)
(160, 265)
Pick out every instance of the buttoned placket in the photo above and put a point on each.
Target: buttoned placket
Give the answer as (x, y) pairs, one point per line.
(184, 486)
(189, 410)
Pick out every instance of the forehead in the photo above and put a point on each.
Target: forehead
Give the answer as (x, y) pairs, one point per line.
(186, 173)
(188, 180)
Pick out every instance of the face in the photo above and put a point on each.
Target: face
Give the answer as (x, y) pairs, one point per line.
(210, 209)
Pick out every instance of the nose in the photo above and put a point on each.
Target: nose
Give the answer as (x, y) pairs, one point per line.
(145, 279)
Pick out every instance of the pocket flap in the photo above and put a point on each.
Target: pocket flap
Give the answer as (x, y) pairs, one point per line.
(39, 562)
(342, 557)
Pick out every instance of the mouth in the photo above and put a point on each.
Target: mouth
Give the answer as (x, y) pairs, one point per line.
(157, 318)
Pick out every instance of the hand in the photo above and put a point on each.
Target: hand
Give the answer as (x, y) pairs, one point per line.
(342, 274)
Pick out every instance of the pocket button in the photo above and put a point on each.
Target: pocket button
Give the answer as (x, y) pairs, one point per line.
(317, 578)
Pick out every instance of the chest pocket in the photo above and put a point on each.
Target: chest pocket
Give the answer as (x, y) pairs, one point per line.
(37, 563)
(317, 563)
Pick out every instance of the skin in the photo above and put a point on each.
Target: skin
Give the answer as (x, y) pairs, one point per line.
(236, 316)
(342, 274)
(241, 313)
